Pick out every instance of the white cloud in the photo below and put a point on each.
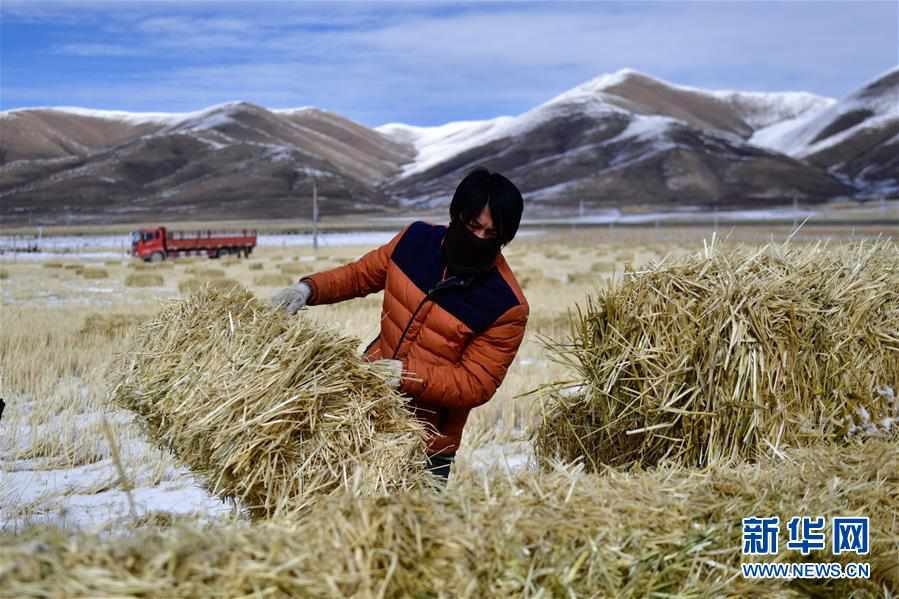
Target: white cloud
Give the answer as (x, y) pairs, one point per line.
(377, 64)
(98, 50)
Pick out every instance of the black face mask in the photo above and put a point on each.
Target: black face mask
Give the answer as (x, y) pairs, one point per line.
(466, 253)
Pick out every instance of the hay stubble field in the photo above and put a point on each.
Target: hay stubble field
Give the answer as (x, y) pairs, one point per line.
(72, 458)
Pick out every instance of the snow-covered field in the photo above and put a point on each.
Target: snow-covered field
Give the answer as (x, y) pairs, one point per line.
(59, 431)
(109, 247)
(57, 461)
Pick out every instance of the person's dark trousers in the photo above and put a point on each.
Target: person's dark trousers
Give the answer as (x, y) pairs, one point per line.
(440, 465)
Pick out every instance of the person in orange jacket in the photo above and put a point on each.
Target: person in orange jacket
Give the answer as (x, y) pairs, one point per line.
(453, 315)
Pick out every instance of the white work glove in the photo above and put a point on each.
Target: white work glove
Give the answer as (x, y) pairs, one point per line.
(293, 298)
(393, 369)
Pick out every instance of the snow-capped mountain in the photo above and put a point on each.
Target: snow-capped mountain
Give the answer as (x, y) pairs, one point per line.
(624, 138)
(619, 139)
(230, 160)
(857, 137)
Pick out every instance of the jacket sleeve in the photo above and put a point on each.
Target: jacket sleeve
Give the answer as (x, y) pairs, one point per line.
(356, 279)
(483, 366)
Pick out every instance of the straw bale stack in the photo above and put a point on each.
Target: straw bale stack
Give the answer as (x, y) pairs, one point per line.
(110, 325)
(271, 411)
(144, 279)
(93, 273)
(149, 266)
(206, 273)
(727, 353)
(274, 280)
(193, 284)
(664, 533)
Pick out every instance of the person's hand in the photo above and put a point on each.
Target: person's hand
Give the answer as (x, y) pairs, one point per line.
(394, 370)
(293, 298)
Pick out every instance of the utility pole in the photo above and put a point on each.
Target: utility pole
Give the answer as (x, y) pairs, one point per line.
(314, 215)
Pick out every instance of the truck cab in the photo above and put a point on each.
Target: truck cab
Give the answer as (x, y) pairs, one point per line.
(149, 244)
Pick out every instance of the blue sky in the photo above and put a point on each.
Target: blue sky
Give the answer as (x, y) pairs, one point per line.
(423, 63)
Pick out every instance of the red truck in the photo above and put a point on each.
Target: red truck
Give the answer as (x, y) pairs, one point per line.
(156, 245)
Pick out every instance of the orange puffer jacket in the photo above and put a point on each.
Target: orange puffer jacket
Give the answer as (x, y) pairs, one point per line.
(456, 336)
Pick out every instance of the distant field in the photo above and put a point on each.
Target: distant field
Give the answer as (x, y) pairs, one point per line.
(874, 214)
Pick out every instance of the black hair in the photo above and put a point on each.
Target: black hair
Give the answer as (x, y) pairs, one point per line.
(482, 188)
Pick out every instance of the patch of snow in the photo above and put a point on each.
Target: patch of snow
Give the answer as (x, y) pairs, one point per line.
(795, 136)
(613, 216)
(764, 109)
(136, 118)
(758, 109)
(435, 144)
(511, 457)
(327, 239)
(61, 257)
(290, 111)
(133, 118)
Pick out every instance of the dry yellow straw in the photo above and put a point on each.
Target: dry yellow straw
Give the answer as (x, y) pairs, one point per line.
(665, 533)
(730, 352)
(269, 410)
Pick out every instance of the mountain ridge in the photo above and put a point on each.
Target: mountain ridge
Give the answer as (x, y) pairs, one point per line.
(623, 138)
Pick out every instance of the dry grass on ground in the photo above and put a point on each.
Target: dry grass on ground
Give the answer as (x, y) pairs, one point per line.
(557, 534)
(670, 531)
(731, 352)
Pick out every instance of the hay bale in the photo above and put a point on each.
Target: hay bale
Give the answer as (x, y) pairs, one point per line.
(73, 266)
(53, 264)
(110, 325)
(206, 273)
(666, 533)
(150, 266)
(274, 280)
(112, 263)
(144, 279)
(223, 285)
(93, 273)
(721, 354)
(4, 274)
(190, 285)
(268, 410)
(255, 266)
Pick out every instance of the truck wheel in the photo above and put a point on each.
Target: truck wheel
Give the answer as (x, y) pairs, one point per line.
(157, 257)
(222, 252)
